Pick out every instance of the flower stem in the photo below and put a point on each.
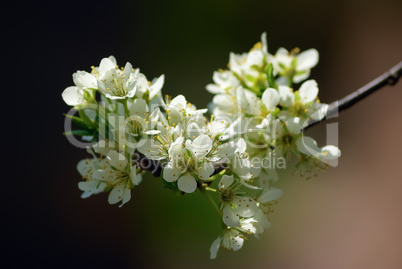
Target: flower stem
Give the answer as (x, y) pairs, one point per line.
(209, 197)
(390, 77)
(210, 189)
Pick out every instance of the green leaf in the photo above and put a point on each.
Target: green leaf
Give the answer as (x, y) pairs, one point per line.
(77, 121)
(86, 119)
(78, 133)
(269, 70)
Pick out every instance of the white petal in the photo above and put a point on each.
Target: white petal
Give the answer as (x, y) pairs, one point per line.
(73, 96)
(157, 116)
(105, 65)
(318, 111)
(200, 146)
(240, 144)
(106, 173)
(174, 116)
(177, 150)
(262, 219)
(128, 69)
(194, 130)
(225, 182)
(224, 101)
(135, 178)
(282, 52)
(307, 145)
(230, 217)
(116, 194)
(264, 42)
(330, 152)
(179, 102)
(307, 59)
(91, 187)
(84, 79)
(206, 171)
(300, 77)
(223, 151)
(149, 149)
(171, 173)
(113, 59)
(249, 226)
(215, 248)
(308, 91)
(251, 102)
(270, 98)
(117, 160)
(246, 206)
(139, 107)
(126, 196)
(270, 195)
(294, 125)
(287, 97)
(187, 184)
(217, 127)
(83, 167)
(237, 243)
(156, 86)
(214, 89)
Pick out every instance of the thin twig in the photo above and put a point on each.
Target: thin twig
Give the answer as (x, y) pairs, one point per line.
(390, 77)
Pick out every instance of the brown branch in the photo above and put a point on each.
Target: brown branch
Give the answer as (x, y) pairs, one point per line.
(390, 77)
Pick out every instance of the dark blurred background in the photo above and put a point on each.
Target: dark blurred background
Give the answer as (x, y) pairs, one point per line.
(347, 217)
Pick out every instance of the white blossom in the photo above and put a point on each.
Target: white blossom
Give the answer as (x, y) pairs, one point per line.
(302, 103)
(117, 172)
(234, 204)
(293, 66)
(116, 83)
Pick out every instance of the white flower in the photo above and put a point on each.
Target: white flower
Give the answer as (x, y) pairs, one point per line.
(144, 86)
(292, 66)
(302, 103)
(225, 82)
(138, 125)
(234, 205)
(183, 167)
(179, 110)
(250, 67)
(239, 163)
(231, 239)
(84, 83)
(270, 99)
(313, 158)
(119, 174)
(91, 185)
(287, 135)
(256, 224)
(157, 148)
(116, 83)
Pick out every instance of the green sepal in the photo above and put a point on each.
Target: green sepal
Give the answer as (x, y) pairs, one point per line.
(170, 185)
(275, 112)
(297, 97)
(108, 188)
(145, 96)
(294, 63)
(251, 78)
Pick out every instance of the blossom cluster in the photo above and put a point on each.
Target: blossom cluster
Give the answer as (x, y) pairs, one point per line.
(255, 127)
